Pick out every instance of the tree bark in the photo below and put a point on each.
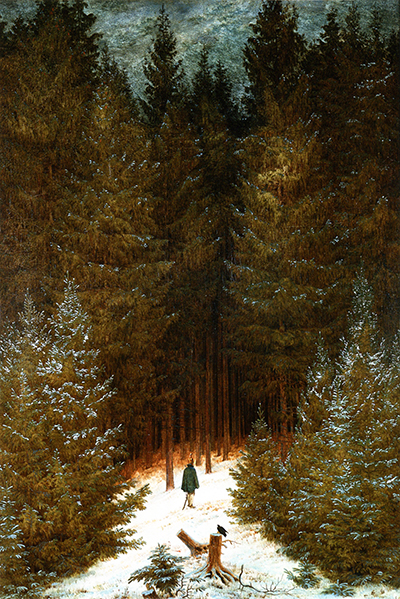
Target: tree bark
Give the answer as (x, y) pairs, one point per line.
(197, 409)
(182, 428)
(207, 408)
(284, 415)
(214, 567)
(225, 407)
(149, 443)
(169, 450)
(195, 547)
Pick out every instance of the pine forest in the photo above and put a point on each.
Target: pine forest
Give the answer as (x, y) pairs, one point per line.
(191, 264)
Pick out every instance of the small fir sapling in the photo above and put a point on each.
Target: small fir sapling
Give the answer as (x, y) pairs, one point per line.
(164, 572)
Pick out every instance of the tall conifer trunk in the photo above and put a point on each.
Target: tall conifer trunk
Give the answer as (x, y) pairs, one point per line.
(169, 449)
(197, 419)
(284, 441)
(225, 407)
(149, 443)
(182, 428)
(207, 405)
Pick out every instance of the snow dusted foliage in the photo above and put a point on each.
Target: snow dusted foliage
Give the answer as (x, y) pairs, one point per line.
(24, 458)
(310, 466)
(260, 493)
(314, 406)
(14, 569)
(163, 573)
(57, 455)
(346, 510)
(21, 349)
(335, 503)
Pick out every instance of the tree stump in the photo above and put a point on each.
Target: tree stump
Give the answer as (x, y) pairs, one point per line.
(194, 547)
(214, 567)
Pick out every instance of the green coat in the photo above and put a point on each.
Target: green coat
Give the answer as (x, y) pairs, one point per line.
(189, 481)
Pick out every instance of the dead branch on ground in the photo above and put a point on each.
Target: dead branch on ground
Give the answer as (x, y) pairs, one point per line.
(273, 589)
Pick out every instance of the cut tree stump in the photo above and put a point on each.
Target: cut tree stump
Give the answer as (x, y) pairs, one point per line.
(214, 567)
(195, 547)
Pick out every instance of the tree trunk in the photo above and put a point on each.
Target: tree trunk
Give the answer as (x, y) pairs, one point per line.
(207, 408)
(219, 394)
(214, 567)
(197, 409)
(182, 428)
(195, 547)
(169, 450)
(149, 443)
(225, 401)
(284, 418)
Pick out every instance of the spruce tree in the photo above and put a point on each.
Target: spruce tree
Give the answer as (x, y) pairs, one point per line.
(163, 72)
(278, 277)
(202, 96)
(211, 222)
(226, 100)
(63, 464)
(24, 456)
(344, 515)
(105, 240)
(172, 159)
(163, 573)
(355, 89)
(211, 100)
(272, 57)
(48, 76)
(314, 457)
(22, 346)
(86, 457)
(364, 513)
(261, 486)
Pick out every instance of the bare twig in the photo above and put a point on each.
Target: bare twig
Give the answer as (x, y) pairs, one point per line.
(184, 590)
(273, 589)
(229, 541)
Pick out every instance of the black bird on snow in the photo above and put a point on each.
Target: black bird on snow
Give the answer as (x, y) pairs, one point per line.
(222, 530)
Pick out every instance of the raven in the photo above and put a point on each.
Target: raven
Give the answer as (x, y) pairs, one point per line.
(222, 530)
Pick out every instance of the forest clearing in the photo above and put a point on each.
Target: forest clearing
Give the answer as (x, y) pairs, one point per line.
(206, 260)
(160, 522)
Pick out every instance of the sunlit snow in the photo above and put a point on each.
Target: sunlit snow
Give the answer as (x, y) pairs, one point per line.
(162, 520)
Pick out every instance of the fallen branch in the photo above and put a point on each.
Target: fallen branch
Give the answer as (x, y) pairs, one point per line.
(195, 547)
(273, 589)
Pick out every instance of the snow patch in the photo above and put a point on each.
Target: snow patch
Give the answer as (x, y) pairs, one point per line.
(160, 523)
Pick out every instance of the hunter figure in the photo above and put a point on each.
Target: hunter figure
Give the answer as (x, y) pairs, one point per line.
(190, 483)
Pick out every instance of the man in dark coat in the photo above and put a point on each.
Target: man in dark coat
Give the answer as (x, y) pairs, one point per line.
(190, 482)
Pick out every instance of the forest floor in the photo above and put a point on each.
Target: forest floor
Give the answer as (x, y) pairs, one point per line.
(163, 518)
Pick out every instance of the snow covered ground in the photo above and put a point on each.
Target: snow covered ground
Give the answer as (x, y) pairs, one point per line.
(161, 521)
